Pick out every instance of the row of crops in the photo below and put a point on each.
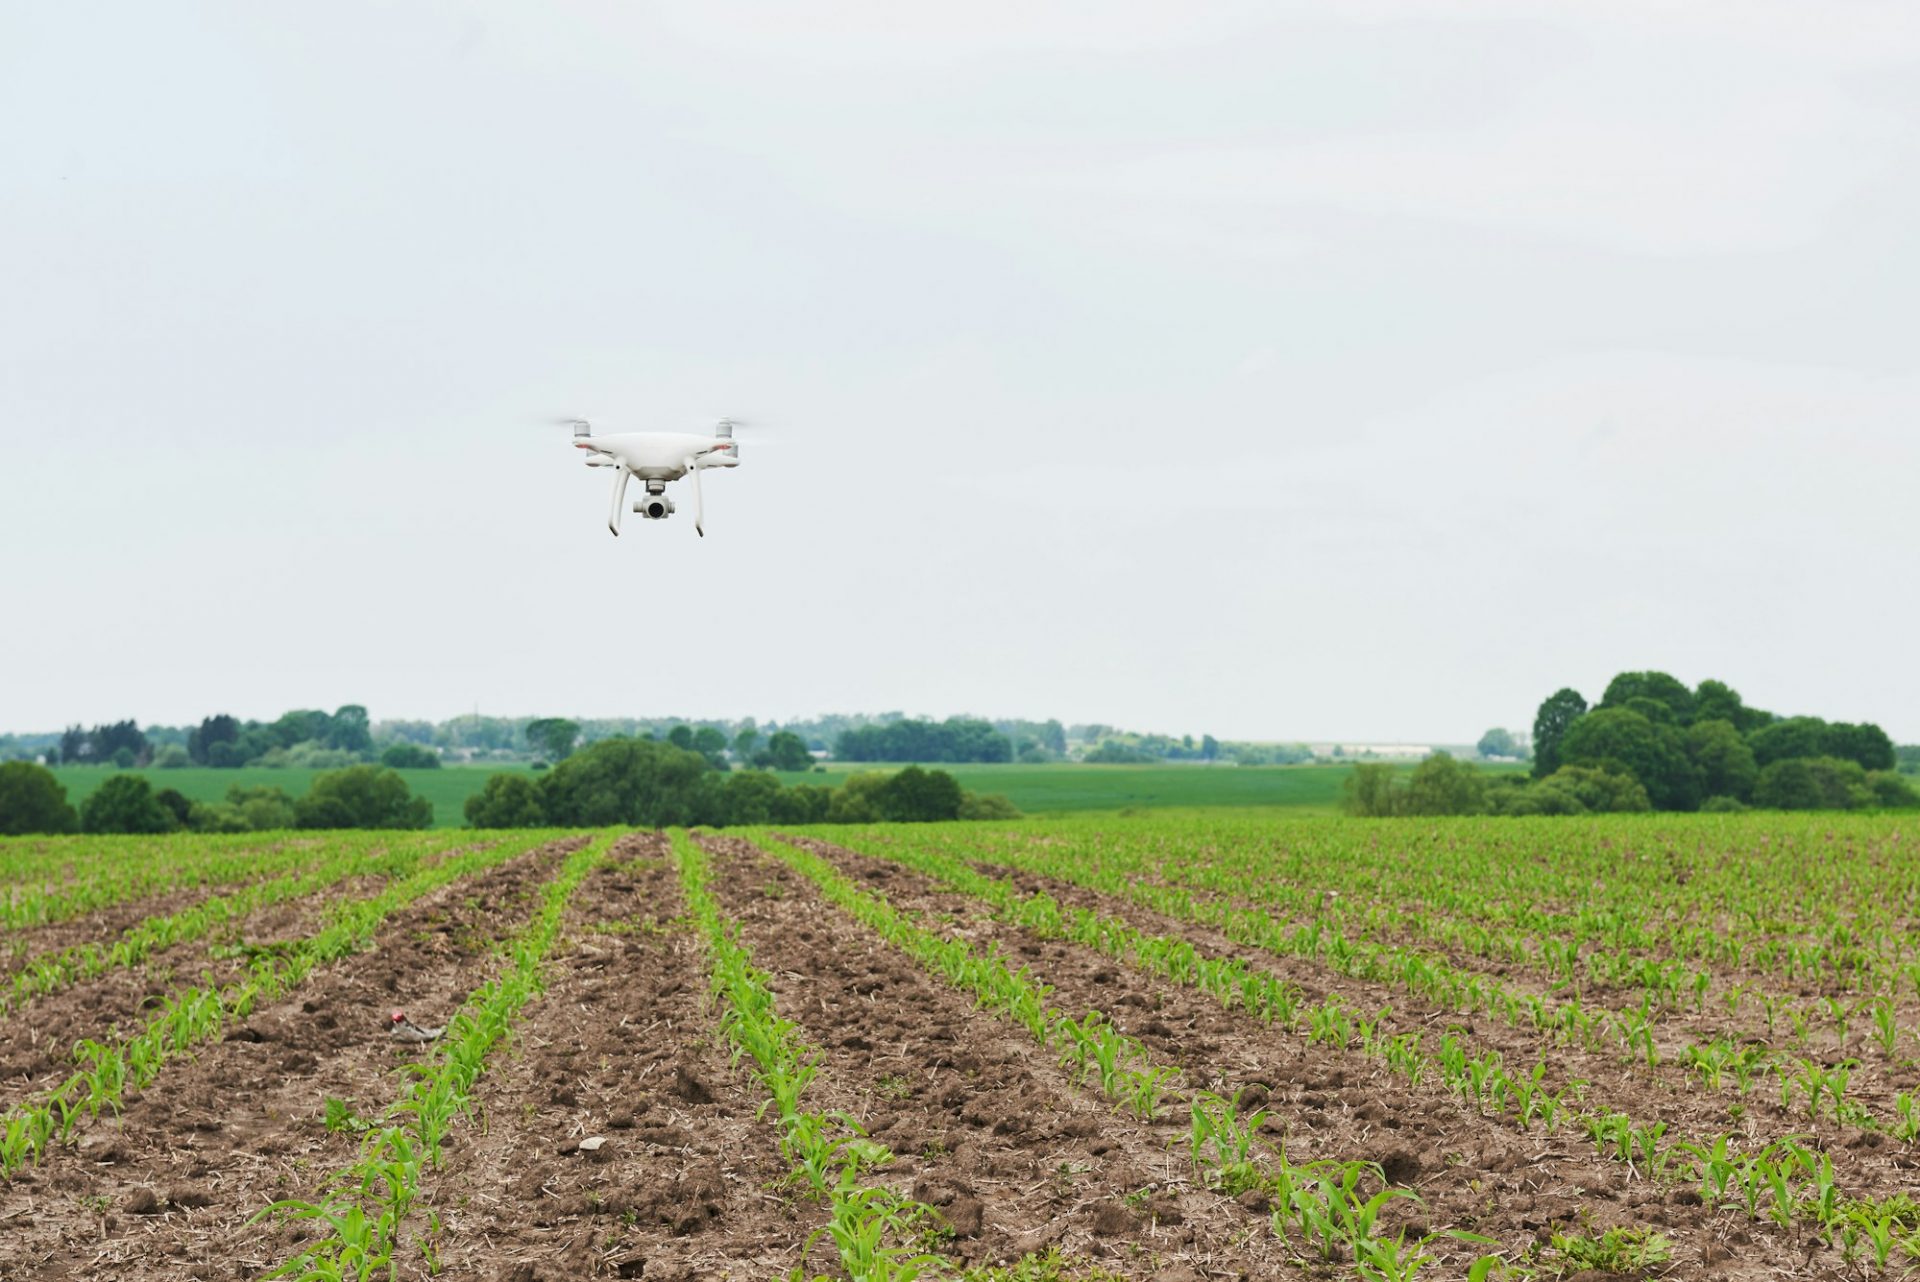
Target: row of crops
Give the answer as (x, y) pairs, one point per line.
(1725, 1010)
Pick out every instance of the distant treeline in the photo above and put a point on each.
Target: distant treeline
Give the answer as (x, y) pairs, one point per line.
(642, 782)
(1651, 743)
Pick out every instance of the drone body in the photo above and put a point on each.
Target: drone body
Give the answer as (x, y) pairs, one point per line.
(656, 458)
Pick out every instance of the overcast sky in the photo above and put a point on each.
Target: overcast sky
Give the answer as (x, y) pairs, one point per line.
(1276, 371)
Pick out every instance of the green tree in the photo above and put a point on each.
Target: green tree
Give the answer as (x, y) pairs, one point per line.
(801, 804)
(1725, 762)
(409, 756)
(125, 803)
(1718, 701)
(264, 809)
(914, 795)
(1550, 724)
(643, 782)
(350, 730)
(1579, 790)
(1866, 744)
(553, 737)
(1891, 791)
(176, 804)
(1498, 743)
(681, 737)
(32, 799)
(750, 796)
(1789, 784)
(988, 805)
(1793, 737)
(711, 744)
(785, 751)
(1656, 755)
(743, 743)
(506, 801)
(1441, 785)
(362, 797)
(1370, 791)
(215, 729)
(1657, 686)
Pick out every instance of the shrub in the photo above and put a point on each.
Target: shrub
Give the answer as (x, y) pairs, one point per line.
(33, 800)
(263, 809)
(1724, 806)
(409, 756)
(506, 801)
(362, 797)
(631, 781)
(990, 805)
(125, 803)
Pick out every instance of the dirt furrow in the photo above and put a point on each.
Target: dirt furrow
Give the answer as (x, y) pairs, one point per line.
(168, 1189)
(982, 1122)
(1476, 1173)
(622, 1046)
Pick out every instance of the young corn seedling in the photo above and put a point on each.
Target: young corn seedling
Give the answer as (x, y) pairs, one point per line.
(1217, 1124)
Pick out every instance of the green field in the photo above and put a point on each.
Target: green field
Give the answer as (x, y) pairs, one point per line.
(1048, 789)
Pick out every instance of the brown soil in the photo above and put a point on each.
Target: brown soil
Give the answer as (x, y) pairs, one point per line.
(984, 1124)
(621, 1046)
(168, 1189)
(1479, 1174)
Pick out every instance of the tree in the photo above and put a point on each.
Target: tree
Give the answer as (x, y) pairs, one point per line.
(1550, 724)
(1792, 737)
(681, 737)
(362, 797)
(1866, 744)
(553, 737)
(409, 756)
(215, 729)
(32, 799)
(1440, 785)
(914, 795)
(784, 751)
(1498, 743)
(643, 782)
(506, 801)
(263, 809)
(1725, 762)
(750, 796)
(1620, 738)
(1665, 690)
(1718, 701)
(176, 804)
(1370, 792)
(711, 744)
(1890, 791)
(744, 742)
(125, 803)
(1788, 784)
(1209, 748)
(1579, 790)
(350, 729)
(801, 804)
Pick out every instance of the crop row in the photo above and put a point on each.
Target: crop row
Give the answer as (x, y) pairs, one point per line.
(1635, 1032)
(384, 855)
(365, 1205)
(1483, 1080)
(876, 1230)
(109, 1069)
(127, 870)
(1321, 1204)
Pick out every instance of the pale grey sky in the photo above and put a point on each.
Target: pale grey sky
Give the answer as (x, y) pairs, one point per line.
(1277, 371)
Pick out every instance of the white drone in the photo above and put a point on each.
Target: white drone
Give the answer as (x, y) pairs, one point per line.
(656, 458)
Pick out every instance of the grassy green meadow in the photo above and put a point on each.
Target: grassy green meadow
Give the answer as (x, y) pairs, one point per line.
(1047, 789)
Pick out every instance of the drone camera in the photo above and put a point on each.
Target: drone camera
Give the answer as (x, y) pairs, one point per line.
(655, 507)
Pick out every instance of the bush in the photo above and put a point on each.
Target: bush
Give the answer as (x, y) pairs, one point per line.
(801, 804)
(643, 782)
(172, 757)
(914, 795)
(216, 817)
(748, 797)
(1890, 791)
(506, 801)
(362, 797)
(125, 803)
(1814, 783)
(176, 803)
(409, 756)
(263, 809)
(33, 800)
(991, 805)
(1724, 806)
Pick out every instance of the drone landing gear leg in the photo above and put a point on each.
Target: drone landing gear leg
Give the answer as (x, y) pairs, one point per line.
(699, 504)
(619, 500)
